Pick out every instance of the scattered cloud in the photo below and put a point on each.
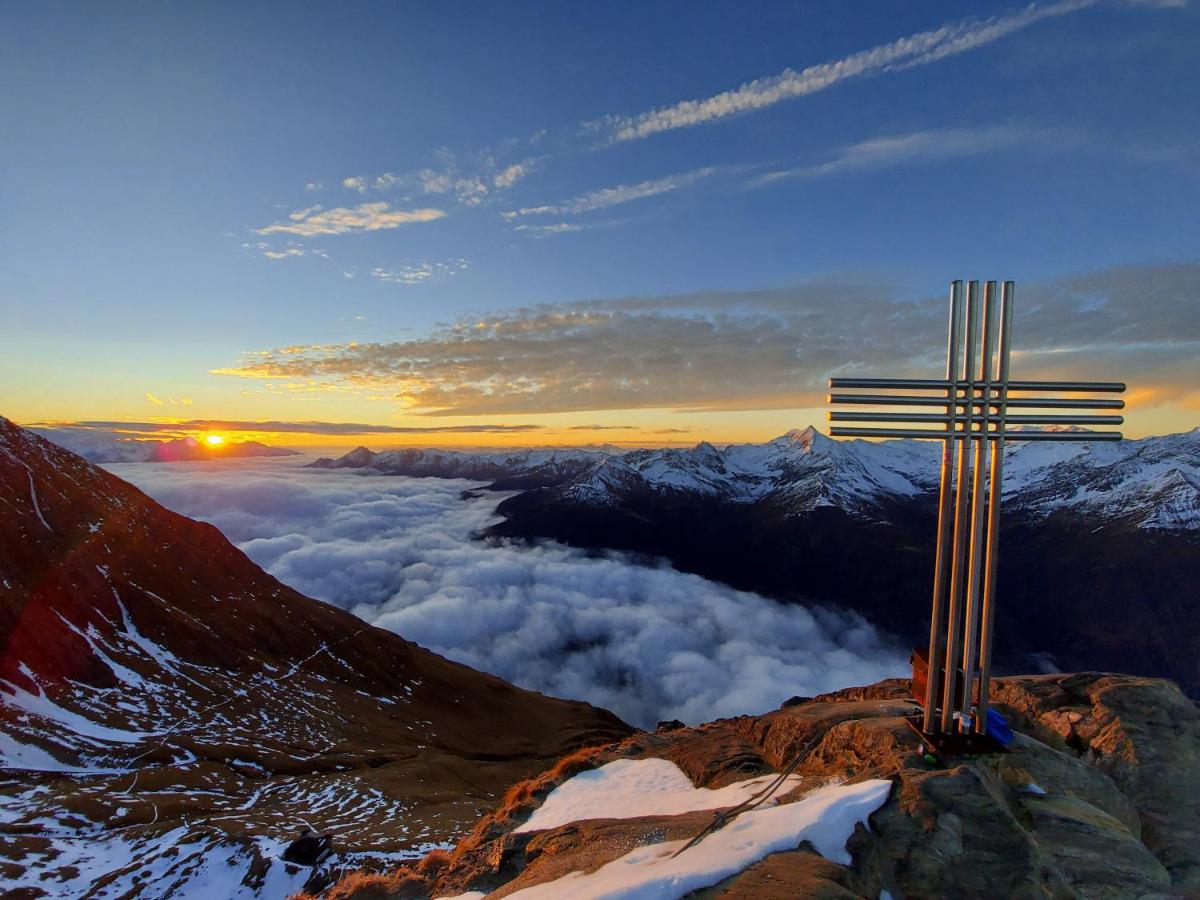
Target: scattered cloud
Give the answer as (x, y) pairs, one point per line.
(471, 191)
(649, 643)
(269, 251)
(914, 50)
(168, 401)
(421, 272)
(429, 181)
(471, 180)
(510, 175)
(313, 186)
(614, 196)
(754, 350)
(343, 220)
(602, 428)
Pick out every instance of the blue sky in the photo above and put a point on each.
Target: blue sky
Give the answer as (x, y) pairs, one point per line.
(162, 168)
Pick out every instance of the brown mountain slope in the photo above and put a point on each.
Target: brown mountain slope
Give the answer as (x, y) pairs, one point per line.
(158, 690)
(1099, 797)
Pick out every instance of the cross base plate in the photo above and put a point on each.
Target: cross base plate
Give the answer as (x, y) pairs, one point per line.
(955, 744)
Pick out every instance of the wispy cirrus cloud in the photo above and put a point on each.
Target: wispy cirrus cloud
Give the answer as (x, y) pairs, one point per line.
(923, 146)
(607, 197)
(547, 230)
(279, 427)
(365, 217)
(914, 50)
(602, 428)
(753, 350)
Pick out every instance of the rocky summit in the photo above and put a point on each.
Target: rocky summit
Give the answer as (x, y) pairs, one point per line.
(171, 716)
(1097, 796)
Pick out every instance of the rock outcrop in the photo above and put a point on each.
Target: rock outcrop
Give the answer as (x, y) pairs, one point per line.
(1098, 797)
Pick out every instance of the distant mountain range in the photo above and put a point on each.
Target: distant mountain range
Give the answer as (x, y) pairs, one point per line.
(1100, 546)
(100, 446)
(1152, 483)
(170, 714)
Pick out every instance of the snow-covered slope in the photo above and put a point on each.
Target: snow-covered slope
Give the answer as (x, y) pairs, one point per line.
(1152, 483)
(170, 713)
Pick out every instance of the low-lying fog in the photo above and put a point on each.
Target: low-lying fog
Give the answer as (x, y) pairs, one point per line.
(647, 642)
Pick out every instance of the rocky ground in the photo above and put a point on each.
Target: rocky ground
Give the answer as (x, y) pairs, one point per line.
(1098, 797)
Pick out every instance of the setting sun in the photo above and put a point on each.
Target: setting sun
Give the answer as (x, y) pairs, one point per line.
(214, 440)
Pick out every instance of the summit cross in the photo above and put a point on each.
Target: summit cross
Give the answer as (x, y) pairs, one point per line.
(972, 410)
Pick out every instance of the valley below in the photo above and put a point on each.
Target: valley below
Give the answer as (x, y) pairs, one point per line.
(1100, 545)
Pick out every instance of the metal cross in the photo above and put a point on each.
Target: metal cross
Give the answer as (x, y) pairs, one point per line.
(972, 410)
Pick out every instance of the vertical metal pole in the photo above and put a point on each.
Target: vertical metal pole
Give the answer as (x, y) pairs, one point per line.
(941, 556)
(962, 476)
(993, 524)
(975, 566)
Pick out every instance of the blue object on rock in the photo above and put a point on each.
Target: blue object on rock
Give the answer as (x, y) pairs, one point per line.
(997, 727)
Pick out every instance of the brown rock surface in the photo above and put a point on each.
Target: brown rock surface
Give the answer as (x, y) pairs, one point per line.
(1097, 798)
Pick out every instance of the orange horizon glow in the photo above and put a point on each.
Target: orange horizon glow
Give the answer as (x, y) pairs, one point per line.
(630, 429)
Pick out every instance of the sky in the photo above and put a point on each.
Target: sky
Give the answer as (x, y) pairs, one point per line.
(475, 223)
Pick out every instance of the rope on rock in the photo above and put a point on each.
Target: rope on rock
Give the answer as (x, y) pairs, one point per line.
(724, 817)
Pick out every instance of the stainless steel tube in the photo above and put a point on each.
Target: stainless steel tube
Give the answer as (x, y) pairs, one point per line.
(929, 434)
(970, 654)
(1013, 403)
(993, 524)
(961, 498)
(945, 514)
(945, 418)
(935, 384)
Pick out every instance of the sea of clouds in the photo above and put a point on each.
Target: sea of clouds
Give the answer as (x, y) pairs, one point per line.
(648, 642)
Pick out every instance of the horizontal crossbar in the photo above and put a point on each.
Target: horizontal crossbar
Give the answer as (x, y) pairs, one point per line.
(931, 384)
(943, 419)
(1011, 403)
(919, 433)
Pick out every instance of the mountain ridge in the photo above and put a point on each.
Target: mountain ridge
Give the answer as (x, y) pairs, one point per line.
(100, 446)
(165, 703)
(804, 469)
